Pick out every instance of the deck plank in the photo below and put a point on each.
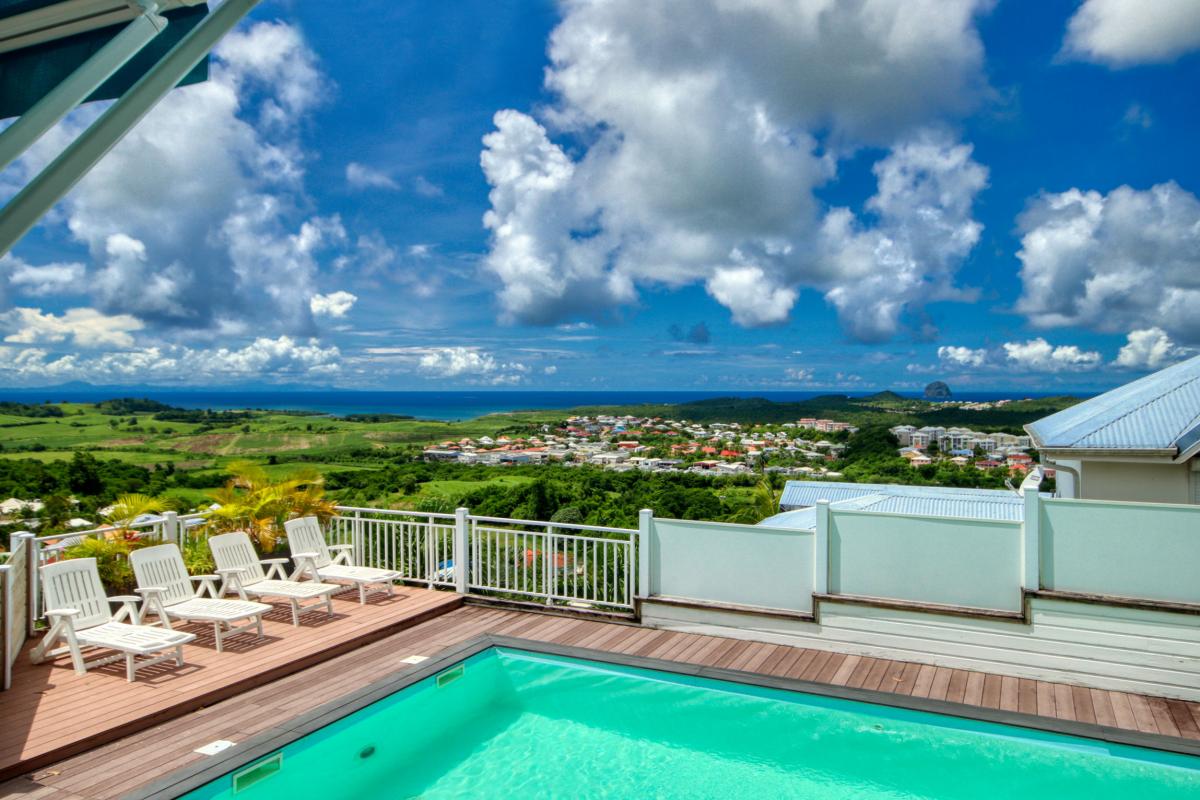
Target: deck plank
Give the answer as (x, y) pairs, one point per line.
(49, 697)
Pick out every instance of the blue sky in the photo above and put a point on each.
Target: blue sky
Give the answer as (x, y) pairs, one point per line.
(747, 196)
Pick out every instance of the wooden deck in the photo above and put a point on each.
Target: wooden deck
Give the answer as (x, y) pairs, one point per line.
(51, 713)
(116, 769)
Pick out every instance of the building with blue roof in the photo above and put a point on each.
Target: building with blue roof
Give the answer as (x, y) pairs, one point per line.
(1138, 442)
(798, 503)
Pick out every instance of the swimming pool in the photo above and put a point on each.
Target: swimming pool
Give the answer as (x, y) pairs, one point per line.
(510, 723)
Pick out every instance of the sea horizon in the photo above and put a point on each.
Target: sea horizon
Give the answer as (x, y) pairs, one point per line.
(439, 405)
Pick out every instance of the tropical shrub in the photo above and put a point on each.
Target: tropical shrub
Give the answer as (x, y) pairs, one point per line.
(112, 561)
(253, 502)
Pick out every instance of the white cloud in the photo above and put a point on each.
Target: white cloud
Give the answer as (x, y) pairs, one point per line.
(798, 374)
(228, 236)
(470, 362)
(962, 356)
(1038, 355)
(427, 188)
(335, 304)
(46, 279)
(1128, 260)
(924, 232)
(751, 295)
(550, 370)
(701, 160)
(280, 358)
(84, 327)
(1149, 349)
(1122, 33)
(360, 176)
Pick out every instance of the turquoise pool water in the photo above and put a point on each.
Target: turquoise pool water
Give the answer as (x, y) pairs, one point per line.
(525, 725)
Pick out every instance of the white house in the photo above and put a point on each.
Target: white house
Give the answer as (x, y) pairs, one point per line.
(1139, 442)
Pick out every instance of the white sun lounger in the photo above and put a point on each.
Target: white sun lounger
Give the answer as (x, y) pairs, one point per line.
(242, 571)
(312, 556)
(80, 616)
(164, 582)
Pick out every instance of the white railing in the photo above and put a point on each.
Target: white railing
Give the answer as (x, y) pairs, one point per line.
(556, 563)
(417, 544)
(579, 565)
(168, 527)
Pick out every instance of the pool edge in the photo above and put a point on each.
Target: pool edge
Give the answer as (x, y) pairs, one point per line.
(192, 776)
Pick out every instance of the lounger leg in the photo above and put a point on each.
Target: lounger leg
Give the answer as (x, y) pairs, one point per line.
(329, 603)
(76, 655)
(362, 594)
(295, 612)
(179, 656)
(217, 634)
(259, 620)
(130, 668)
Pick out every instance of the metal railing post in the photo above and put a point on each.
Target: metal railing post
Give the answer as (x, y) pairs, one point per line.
(645, 546)
(821, 549)
(549, 557)
(461, 559)
(356, 538)
(170, 528)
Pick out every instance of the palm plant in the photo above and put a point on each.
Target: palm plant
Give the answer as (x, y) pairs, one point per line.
(764, 502)
(128, 508)
(252, 502)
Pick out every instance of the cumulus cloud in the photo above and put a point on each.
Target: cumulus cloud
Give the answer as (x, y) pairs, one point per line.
(1123, 33)
(924, 232)
(335, 304)
(360, 176)
(44, 279)
(276, 358)
(1151, 348)
(229, 235)
(698, 163)
(1128, 260)
(751, 295)
(1038, 355)
(962, 356)
(470, 362)
(83, 327)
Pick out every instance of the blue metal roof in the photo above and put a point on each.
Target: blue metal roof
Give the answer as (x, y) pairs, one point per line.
(1158, 412)
(938, 501)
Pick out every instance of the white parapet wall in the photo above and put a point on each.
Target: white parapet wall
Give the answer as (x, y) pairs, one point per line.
(742, 565)
(973, 563)
(1148, 551)
(1102, 594)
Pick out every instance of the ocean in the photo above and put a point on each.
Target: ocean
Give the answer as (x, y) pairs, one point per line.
(424, 405)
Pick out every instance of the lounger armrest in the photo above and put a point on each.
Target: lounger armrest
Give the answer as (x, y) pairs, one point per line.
(129, 607)
(305, 562)
(274, 568)
(206, 583)
(223, 572)
(148, 590)
(62, 612)
(343, 553)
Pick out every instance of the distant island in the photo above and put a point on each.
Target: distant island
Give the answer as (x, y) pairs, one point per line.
(938, 391)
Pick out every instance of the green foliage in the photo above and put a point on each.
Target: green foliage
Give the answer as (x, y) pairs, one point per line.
(112, 561)
(196, 555)
(30, 410)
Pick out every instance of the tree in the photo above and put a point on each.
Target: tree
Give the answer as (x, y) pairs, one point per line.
(83, 474)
